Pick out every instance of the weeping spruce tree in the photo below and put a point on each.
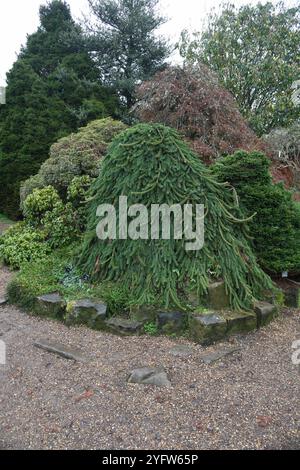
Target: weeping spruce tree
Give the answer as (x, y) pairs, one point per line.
(150, 164)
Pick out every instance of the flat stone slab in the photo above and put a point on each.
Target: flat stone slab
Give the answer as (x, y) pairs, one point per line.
(87, 312)
(170, 322)
(181, 351)
(61, 350)
(51, 305)
(208, 328)
(149, 376)
(265, 313)
(240, 322)
(124, 326)
(214, 356)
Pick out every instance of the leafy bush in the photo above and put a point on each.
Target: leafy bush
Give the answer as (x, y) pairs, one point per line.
(22, 243)
(77, 195)
(60, 225)
(27, 187)
(276, 225)
(37, 204)
(78, 154)
(48, 224)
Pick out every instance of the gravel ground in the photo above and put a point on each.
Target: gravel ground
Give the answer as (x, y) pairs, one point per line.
(248, 400)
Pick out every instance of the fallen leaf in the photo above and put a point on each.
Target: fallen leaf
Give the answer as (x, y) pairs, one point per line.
(263, 421)
(84, 396)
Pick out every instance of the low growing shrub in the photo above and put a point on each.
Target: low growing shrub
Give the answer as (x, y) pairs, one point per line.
(22, 243)
(276, 226)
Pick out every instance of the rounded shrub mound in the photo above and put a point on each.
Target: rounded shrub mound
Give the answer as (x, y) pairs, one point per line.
(275, 228)
(150, 164)
(79, 154)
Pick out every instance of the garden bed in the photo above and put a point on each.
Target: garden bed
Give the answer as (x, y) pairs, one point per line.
(53, 288)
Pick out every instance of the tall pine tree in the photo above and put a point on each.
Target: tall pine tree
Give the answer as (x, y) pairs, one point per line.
(52, 89)
(125, 44)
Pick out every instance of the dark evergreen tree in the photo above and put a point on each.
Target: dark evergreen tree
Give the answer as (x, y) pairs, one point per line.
(125, 44)
(52, 89)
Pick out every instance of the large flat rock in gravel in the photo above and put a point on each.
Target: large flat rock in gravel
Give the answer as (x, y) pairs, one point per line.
(149, 376)
(214, 356)
(181, 350)
(61, 350)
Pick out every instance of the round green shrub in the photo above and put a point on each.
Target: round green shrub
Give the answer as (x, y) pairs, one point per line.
(61, 225)
(276, 226)
(75, 155)
(38, 203)
(22, 243)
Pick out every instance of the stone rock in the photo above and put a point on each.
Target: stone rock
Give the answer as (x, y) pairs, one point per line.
(170, 322)
(208, 328)
(124, 326)
(51, 305)
(214, 356)
(61, 350)
(292, 297)
(3, 301)
(217, 296)
(240, 322)
(87, 312)
(149, 376)
(181, 351)
(265, 313)
(144, 314)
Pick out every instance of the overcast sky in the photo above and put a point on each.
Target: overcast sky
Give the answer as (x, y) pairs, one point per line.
(20, 17)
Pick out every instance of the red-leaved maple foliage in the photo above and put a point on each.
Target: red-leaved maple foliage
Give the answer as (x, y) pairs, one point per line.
(191, 100)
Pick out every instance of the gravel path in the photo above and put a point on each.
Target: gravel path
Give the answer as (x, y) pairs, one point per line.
(247, 400)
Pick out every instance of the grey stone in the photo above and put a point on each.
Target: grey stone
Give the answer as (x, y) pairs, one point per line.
(181, 351)
(87, 312)
(61, 350)
(51, 305)
(265, 313)
(149, 376)
(170, 322)
(208, 328)
(124, 326)
(210, 358)
(3, 301)
(240, 322)
(217, 296)
(144, 314)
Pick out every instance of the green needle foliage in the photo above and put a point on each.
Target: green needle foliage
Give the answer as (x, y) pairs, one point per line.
(150, 164)
(276, 226)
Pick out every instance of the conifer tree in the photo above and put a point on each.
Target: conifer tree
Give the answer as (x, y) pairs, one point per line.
(52, 89)
(150, 164)
(276, 226)
(126, 47)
